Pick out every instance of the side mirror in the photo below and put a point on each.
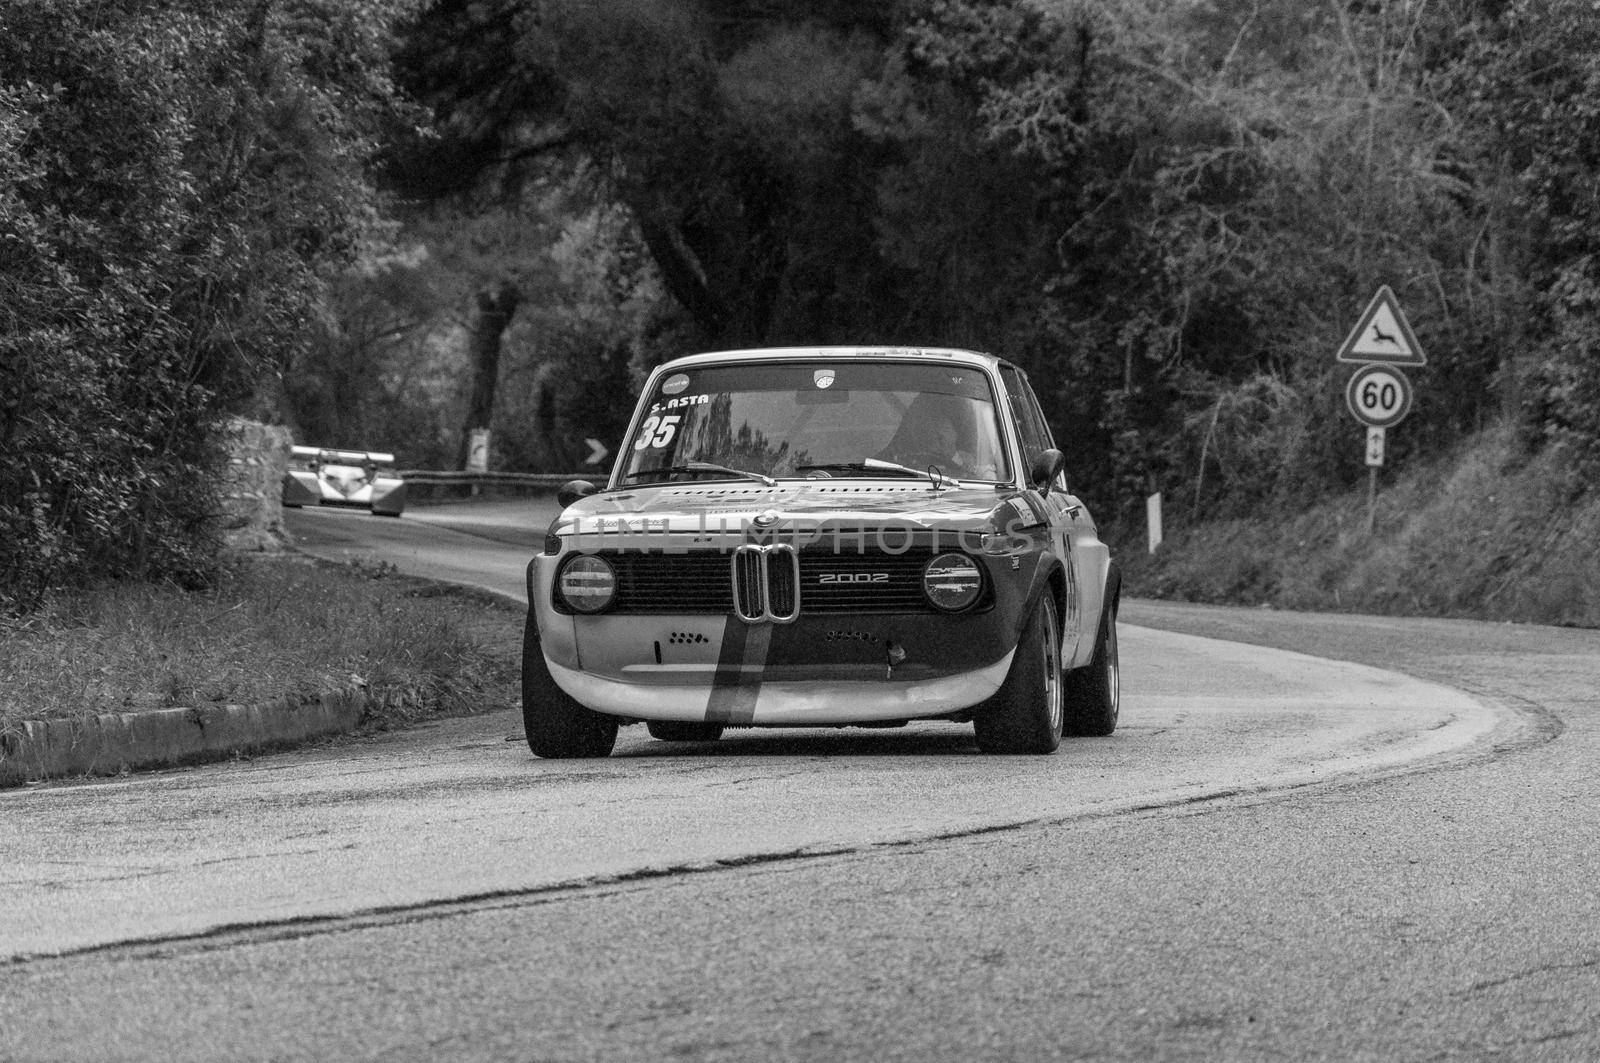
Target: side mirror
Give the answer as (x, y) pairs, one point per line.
(1046, 467)
(573, 490)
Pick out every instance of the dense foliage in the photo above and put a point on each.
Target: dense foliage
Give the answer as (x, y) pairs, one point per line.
(175, 177)
(1526, 85)
(1171, 213)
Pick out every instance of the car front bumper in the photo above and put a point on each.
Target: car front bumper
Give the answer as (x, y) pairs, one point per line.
(746, 696)
(822, 670)
(385, 494)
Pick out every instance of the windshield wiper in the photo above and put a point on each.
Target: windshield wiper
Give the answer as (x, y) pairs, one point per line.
(702, 466)
(858, 466)
(876, 465)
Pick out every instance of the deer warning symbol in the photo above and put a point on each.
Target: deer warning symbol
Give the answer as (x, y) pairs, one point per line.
(1383, 335)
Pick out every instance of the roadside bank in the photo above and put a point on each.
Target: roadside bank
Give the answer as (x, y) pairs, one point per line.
(1487, 532)
(284, 651)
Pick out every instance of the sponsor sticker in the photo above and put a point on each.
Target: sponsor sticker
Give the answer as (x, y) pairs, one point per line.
(823, 378)
(674, 384)
(680, 402)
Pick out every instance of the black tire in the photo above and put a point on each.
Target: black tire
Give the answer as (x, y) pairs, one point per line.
(1025, 714)
(1094, 692)
(557, 727)
(683, 731)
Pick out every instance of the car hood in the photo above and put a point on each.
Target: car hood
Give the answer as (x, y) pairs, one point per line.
(733, 508)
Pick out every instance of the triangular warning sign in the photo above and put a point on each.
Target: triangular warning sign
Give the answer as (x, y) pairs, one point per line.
(1383, 335)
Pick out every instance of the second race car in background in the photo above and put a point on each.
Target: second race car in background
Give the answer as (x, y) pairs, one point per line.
(361, 478)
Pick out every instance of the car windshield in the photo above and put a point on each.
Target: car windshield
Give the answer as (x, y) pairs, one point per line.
(818, 419)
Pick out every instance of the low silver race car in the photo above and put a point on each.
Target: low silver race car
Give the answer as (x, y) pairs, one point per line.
(363, 478)
(825, 537)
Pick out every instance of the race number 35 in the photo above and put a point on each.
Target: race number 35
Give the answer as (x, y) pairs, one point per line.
(657, 432)
(1379, 395)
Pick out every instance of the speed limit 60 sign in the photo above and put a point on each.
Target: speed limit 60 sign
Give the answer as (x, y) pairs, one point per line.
(1379, 395)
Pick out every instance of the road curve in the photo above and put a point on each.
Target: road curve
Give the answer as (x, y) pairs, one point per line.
(459, 810)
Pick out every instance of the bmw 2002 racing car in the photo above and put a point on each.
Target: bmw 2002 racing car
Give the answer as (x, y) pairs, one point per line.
(363, 478)
(813, 537)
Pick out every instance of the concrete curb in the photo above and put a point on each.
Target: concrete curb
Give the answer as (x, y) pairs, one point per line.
(164, 738)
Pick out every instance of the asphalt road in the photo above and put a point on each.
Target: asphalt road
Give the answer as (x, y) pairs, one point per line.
(1279, 856)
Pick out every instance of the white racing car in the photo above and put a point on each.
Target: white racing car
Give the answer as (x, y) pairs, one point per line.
(362, 478)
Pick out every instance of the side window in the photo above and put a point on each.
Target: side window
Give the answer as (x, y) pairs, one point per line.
(1044, 426)
(1035, 436)
(1035, 430)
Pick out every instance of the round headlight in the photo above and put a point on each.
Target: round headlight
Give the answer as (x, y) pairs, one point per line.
(587, 583)
(952, 582)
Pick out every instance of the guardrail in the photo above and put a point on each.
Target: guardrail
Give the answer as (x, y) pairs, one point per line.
(457, 478)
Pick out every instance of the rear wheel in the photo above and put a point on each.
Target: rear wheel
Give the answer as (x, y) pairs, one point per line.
(683, 731)
(557, 726)
(1025, 715)
(1094, 692)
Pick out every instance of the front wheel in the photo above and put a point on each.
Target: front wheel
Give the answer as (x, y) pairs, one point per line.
(557, 727)
(1094, 692)
(1025, 714)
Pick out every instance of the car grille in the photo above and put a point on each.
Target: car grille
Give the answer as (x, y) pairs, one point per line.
(900, 593)
(766, 582)
(716, 581)
(670, 583)
(749, 600)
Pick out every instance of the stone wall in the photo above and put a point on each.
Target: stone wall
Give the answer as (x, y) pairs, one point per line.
(252, 485)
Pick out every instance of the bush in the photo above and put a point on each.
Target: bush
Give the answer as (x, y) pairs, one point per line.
(174, 177)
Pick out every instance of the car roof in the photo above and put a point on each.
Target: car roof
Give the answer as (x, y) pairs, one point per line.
(789, 354)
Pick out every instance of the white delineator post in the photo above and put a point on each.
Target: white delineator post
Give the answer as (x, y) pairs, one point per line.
(1152, 519)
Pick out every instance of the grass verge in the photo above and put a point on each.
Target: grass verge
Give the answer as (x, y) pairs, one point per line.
(1486, 533)
(273, 628)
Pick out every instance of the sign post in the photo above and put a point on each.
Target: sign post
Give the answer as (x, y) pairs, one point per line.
(478, 450)
(1379, 393)
(1374, 447)
(477, 454)
(1379, 396)
(1374, 461)
(1382, 335)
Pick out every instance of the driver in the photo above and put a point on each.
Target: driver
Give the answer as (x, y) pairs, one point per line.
(951, 443)
(931, 434)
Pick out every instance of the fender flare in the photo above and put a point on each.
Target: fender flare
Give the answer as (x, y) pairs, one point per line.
(1045, 581)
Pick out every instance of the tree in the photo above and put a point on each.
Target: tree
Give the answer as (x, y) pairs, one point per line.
(1168, 212)
(1218, 189)
(493, 130)
(1523, 78)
